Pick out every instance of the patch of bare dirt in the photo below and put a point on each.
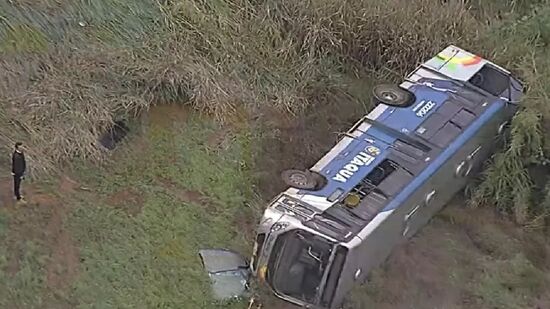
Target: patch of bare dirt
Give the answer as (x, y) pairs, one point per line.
(167, 115)
(128, 200)
(187, 196)
(247, 224)
(68, 185)
(42, 200)
(64, 260)
(13, 263)
(299, 141)
(217, 138)
(192, 196)
(537, 250)
(542, 303)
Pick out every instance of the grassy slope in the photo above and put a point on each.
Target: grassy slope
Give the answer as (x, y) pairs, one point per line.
(74, 66)
(151, 259)
(138, 248)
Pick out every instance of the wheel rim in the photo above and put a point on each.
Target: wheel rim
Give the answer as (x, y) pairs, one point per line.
(389, 96)
(298, 178)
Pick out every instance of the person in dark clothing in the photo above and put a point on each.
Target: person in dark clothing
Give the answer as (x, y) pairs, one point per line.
(18, 167)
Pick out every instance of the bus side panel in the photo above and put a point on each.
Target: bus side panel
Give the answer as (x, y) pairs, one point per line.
(445, 183)
(366, 254)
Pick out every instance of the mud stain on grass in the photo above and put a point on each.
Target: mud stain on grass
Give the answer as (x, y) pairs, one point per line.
(62, 268)
(64, 262)
(128, 200)
(186, 195)
(166, 115)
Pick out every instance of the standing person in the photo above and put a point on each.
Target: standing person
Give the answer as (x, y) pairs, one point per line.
(18, 167)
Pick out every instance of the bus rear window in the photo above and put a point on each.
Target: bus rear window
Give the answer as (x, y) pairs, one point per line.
(491, 80)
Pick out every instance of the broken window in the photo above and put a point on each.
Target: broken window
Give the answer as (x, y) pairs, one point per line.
(299, 264)
(228, 272)
(491, 80)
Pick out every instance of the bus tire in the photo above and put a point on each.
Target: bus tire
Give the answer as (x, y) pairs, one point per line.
(299, 179)
(392, 95)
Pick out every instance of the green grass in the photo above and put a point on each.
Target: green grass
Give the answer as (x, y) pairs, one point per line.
(24, 38)
(3, 222)
(510, 284)
(140, 250)
(151, 260)
(24, 289)
(23, 258)
(54, 22)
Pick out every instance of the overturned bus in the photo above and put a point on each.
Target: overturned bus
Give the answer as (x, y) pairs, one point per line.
(384, 180)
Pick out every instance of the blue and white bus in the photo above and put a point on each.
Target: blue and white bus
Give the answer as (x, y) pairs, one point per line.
(385, 179)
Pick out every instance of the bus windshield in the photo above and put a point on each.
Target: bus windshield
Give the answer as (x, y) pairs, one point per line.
(298, 263)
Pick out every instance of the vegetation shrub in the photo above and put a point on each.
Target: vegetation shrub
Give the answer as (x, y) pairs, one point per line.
(522, 45)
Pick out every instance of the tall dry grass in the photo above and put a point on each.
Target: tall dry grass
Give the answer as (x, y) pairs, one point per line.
(69, 68)
(58, 90)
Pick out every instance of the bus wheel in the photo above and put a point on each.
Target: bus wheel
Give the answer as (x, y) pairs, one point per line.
(304, 180)
(393, 95)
